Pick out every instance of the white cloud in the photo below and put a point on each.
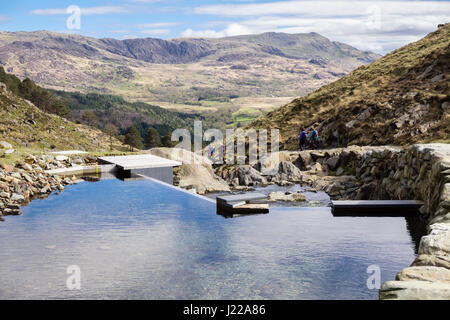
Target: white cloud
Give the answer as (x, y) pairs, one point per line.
(84, 11)
(234, 29)
(322, 8)
(156, 32)
(157, 25)
(145, 1)
(380, 26)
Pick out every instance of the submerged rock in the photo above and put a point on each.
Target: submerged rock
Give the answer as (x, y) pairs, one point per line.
(286, 196)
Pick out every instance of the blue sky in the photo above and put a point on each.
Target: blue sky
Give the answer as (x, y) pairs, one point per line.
(380, 26)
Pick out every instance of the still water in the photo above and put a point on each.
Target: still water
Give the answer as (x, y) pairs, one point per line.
(144, 240)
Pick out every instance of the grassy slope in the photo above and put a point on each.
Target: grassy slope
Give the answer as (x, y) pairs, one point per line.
(48, 131)
(391, 87)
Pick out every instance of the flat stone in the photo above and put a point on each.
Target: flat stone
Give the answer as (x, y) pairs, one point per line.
(7, 167)
(424, 273)
(62, 158)
(17, 197)
(27, 167)
(10, 205)
(27, 178)
(16, 175)
(6, 195)
(414, 290)
(286, 196)
(11, 212)
(431, 260)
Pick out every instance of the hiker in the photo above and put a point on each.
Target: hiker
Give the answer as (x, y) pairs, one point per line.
(211, 151)
(302, 139)
(314, 138)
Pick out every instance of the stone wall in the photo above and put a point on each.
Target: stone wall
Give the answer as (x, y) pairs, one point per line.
(420, 172)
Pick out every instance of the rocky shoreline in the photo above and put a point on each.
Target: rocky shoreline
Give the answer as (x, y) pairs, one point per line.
(27, 180)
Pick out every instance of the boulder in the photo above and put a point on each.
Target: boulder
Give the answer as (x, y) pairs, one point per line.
(287, 171)
(432, 260)
(316, 168)
(5, 195)
(315, 155)
(414, 290)
(27, 167)
(196, 172)
(17, 198)
(435, 244)
(333, 163)
(304, 160)
(7, 167)
(424, 273)
(12, 212)
(367, 191)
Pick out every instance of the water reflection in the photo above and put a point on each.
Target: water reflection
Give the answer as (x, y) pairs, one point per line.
(143, 240)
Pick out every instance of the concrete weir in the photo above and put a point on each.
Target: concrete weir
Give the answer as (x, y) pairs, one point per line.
(242, 204)
(376, 207)
(143, 164)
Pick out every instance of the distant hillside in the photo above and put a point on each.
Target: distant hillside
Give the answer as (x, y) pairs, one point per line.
(123, 114)
(402, 98)
(181, 71)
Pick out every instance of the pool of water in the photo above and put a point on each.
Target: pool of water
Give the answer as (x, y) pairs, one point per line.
(144, 240)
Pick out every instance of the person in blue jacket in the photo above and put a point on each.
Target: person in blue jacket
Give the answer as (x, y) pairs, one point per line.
(302, 139)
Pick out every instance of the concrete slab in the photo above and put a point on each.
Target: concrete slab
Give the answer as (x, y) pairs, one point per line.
(140, 161)
(241, 197)
(80, 170)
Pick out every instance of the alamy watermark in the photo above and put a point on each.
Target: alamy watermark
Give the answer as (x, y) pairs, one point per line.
(73, 282)
(73, 22)
(374, 280)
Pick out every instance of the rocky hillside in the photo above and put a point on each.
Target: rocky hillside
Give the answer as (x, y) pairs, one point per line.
(180, 70)
(24, 129)
(402, 98)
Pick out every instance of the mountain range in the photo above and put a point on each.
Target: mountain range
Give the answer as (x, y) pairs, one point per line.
(182, 73)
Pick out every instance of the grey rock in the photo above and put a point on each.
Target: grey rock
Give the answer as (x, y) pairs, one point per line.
(286, 196)
(5, 145)
(424, 273)
(414, 290)
(333, 163)
(17, 197)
